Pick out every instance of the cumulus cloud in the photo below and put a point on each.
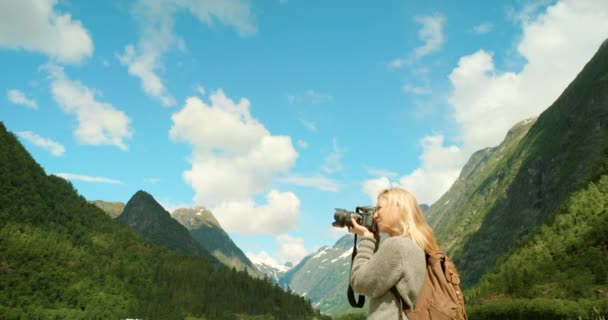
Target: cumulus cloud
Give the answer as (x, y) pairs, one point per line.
(47, 144)
(291, 249)
(17, 97)
(485, 102)
(440, 167)
(279, 214)
(156, 21)
(71, 176)
(99, 123)
(37, 26)
(235, 158)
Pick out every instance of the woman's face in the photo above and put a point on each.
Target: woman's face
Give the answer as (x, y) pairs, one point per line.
(386, 217)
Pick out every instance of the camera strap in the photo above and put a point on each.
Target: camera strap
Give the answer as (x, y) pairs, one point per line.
(351, 293)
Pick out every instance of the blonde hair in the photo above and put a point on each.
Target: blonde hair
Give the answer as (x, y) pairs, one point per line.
(412, 222)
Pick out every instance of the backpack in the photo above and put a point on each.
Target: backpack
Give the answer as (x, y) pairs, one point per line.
(440, 297)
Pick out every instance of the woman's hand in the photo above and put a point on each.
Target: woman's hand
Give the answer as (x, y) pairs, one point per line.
(359, 229)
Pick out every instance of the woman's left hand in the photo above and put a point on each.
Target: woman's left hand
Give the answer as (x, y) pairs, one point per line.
(359, 229)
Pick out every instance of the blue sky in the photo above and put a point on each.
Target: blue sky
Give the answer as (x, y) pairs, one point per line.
(273, 113)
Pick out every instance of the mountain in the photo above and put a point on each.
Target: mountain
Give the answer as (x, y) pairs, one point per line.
(504, 194)
(148, 218)
(62, 257)
(460, 204)
(113, 209)
(271, 269)
(323, 277)
(207, 232)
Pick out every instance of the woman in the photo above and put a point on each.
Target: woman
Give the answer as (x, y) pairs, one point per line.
(400, 260)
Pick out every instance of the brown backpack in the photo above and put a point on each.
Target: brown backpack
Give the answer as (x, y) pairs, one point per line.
(440, 297)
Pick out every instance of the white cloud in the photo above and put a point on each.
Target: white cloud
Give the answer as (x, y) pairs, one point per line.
(234, 158)
(486, 102)
(291, 98)
(440, 166)
(483, 28)
(99, 123)
(397, 63)
(318, 98)
(373, 187)
(310, 125)
(144, 65)
(333, 162)
(49, 145)
(17, 97)
(171, 206)
(302, 144)
(279, 214)
(200, 89)
(71, 176)
(156, 23)
(151, 180)
(431, 34)
(416, 89)
(319, 182)
(36, 26)
(291, 249)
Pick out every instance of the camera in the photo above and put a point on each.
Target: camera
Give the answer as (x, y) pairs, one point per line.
(363, 215)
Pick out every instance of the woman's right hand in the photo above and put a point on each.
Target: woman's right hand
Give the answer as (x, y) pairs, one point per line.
(359, 229)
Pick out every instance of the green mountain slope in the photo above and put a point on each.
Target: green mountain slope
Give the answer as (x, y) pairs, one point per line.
(564, 263)
(208, 233)
(506, 197)
(460, 206)
(64, 258)
(113, 209)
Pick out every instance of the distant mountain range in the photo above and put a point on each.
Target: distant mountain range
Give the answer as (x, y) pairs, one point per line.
(270, 268)
(323, 276)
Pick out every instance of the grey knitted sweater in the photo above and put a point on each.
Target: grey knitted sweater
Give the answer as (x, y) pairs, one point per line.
(398, 261)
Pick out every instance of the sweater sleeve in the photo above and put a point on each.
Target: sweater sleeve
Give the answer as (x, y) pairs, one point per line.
(374, 274)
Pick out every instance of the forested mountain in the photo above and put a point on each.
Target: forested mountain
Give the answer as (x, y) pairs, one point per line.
(531, 214)
(114, 209)
(208, 233)
(148, 218)
(64, 258)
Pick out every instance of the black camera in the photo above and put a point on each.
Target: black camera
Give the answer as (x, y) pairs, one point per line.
(363, 215)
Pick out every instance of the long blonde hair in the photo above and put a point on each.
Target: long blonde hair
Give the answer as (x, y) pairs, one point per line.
(412, 222)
